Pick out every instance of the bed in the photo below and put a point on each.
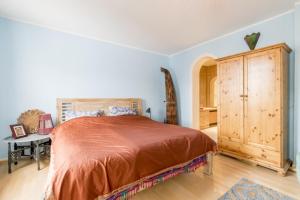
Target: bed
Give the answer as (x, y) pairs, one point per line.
(115, 157)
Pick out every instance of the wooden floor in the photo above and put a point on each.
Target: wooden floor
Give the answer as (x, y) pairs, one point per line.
(27, 183)
(212, 132)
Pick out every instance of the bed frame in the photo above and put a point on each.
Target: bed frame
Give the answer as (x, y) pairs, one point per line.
(64, 105)
(209, 166)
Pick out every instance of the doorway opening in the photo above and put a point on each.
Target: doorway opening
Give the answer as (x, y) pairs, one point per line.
(205, 96)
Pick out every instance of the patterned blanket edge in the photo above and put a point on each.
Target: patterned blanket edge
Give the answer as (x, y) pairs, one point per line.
(153, 180)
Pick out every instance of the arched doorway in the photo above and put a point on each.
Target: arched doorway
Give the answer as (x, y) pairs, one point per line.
(202, 62)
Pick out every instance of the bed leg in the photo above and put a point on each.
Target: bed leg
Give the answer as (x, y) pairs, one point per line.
(209, 166)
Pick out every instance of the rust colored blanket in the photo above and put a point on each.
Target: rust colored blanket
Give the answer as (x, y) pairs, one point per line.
(94, 156)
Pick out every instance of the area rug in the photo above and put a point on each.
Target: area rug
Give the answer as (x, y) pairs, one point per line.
(248, 190)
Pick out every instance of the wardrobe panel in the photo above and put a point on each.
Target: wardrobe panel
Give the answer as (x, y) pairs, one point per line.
(262, 99)
(230, 112)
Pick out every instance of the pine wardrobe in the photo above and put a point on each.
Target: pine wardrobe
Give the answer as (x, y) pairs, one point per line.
(253, 106)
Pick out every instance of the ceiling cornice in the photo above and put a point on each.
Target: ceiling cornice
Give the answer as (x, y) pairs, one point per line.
(144, 49)
(233, 32)
(83, 36)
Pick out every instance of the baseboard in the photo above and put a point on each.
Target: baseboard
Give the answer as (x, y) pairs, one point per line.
(3, 160)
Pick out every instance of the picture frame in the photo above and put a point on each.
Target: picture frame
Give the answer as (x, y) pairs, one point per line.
(18, 131)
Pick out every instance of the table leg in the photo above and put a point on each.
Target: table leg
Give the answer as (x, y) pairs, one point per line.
(9, 158)
(16, 148)
(37, 154)
(31, 150)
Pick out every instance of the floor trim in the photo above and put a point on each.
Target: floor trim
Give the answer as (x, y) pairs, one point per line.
(3, 160)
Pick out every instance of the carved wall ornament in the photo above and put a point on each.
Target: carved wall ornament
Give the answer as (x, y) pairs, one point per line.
(171, 104)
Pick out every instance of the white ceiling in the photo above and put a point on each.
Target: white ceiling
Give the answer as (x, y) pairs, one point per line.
(163, 26)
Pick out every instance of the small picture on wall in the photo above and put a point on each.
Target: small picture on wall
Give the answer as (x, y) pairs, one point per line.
(18, 131)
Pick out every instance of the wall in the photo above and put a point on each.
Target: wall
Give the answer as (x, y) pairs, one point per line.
(276, 30)
(38, 65)
(297, 75)
(5, 83)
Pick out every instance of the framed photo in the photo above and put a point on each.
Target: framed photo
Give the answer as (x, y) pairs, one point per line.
(18, 131)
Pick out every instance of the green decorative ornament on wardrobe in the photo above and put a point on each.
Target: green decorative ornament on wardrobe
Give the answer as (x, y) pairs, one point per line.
(252, 40)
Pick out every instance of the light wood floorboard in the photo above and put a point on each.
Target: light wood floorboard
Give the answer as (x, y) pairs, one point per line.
(27, 183)
(212, 132)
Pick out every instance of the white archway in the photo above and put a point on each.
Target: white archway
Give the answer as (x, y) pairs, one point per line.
(196, 67)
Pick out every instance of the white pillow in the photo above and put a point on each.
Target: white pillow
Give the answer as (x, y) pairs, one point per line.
(119, 110)
(75, 114)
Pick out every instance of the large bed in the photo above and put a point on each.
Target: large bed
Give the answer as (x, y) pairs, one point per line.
(114, 157)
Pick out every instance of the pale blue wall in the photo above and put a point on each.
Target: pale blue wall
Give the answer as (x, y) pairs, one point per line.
(38, 65)
(277, 30)
(297, 74)
(5, 84)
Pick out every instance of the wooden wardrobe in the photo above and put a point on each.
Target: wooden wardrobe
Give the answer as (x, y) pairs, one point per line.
(253, 106)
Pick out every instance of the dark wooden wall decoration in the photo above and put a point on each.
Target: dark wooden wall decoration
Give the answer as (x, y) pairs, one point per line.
(171, 105)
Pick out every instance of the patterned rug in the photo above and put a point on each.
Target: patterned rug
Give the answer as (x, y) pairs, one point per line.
(247, 190)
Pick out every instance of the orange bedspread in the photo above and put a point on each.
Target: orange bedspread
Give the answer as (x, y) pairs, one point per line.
(94, 156)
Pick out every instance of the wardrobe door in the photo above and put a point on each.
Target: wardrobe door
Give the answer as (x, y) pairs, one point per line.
(262, 102)
(230, 106)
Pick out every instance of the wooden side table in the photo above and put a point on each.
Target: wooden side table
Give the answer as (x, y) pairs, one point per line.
(15, 155)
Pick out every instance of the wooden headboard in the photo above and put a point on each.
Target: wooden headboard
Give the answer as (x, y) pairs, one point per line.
(64, 105)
